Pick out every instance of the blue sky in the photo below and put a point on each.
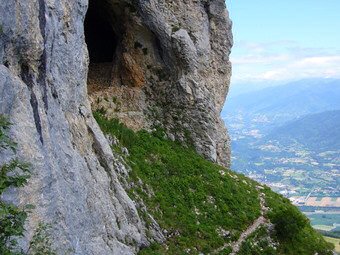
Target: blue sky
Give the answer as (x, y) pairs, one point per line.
(277, 41)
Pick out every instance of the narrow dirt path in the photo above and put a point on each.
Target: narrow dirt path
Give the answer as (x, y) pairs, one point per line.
(251, 229)
(257, 223)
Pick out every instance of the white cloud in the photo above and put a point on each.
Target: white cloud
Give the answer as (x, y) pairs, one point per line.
(327, 67)
(283, 60)
(256, 59)
(318, 61)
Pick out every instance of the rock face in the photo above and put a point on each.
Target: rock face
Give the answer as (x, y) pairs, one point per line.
(168, 66)
(165, 64)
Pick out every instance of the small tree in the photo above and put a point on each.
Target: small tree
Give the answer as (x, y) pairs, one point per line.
(288, 222)
(41, 242)
(12, 174)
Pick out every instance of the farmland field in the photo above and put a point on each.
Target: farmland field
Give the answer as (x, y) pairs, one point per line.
(335, 241)
(324, 219)
(324, 227)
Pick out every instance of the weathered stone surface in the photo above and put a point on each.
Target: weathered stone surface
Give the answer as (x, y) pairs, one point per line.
(178, 78)
(176, 54)
(43, 91)
(196, 40)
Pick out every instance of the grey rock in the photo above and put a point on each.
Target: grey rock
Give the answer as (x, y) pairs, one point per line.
(125, 151)
(77, 183)
(181, 79)
(171, 137)
(113, 141)
(198, 56)
(43, 91)
(186, 48)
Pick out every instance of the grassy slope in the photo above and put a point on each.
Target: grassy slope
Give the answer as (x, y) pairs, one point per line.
(304, 239)
(191, 197)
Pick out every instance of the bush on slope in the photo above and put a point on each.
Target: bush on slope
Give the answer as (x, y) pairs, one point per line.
(201, 205)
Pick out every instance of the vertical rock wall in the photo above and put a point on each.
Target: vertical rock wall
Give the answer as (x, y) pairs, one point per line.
(180, 84)
(170, 68)
(43, 91)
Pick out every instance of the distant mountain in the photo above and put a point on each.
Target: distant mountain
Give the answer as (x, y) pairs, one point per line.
(288, 136)
(318, 132)
(287, 102)
(242, 87)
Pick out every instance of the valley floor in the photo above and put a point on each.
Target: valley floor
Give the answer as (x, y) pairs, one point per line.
(335, 241)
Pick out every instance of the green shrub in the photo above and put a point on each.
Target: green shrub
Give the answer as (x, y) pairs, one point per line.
(293, 230)
(192, 197)
(175, 28)
(12, 174)
(258, 243)
(5, 141)
(41, 241)
(126, 136)
(138, 45)
(288, 222)
(145, 51)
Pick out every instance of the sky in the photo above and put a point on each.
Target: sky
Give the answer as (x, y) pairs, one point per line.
(279, 41)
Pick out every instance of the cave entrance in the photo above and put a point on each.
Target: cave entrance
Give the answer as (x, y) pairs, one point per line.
(119, 53)
(102, 41)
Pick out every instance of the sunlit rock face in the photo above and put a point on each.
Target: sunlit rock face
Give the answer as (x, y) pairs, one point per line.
(148, 63)
(162, 63)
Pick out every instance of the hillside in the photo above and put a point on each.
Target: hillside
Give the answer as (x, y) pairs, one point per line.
(247, 87)
(71, 72)
(286, 102)
(288, 136)
(318, 132)
(203, 207)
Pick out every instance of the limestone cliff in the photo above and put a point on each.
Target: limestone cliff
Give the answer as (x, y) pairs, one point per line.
(166, 64)
(147, 62)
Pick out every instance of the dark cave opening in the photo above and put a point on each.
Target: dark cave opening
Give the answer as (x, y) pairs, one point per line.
(99, 34)
(102, 42)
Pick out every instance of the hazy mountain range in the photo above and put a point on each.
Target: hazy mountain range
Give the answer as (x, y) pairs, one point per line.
(318, 132)
(288, 136)
(286, 102)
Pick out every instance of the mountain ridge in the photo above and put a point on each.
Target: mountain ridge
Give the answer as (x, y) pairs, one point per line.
(318, 131)
(289, 101)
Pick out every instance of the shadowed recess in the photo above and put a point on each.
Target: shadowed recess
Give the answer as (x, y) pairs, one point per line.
(100, 37)
(102, 42)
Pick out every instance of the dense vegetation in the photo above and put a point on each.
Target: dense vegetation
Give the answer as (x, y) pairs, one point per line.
(200, 204)
(293, 230)
(12, 174)
(259, 243)
(189, 196)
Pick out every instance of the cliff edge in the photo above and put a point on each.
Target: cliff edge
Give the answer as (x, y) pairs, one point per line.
(148, 63)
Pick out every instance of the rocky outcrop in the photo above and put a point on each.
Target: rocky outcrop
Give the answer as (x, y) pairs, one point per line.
(171, 58)
(168, 66)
